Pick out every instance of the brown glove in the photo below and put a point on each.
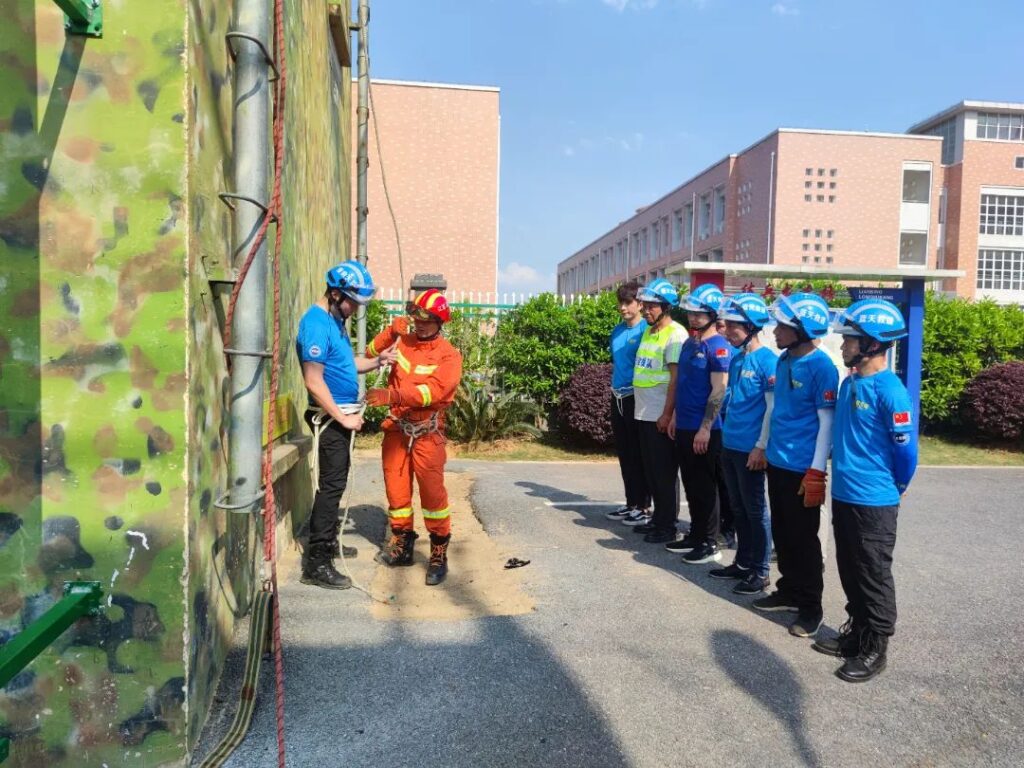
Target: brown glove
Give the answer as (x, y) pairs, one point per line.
(812, 487)
(375, 397)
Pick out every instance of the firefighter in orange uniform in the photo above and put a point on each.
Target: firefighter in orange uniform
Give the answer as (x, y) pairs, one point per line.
(422, 384)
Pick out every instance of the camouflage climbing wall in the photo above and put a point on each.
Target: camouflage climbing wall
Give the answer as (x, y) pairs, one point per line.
(93, 377)
(112, 410)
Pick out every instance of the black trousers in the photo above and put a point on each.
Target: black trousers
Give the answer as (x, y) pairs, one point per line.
(627, 445)
(795, 531)
(865, 538)
(701, 473)
(658, 453)
(726, 504)
(334, 465)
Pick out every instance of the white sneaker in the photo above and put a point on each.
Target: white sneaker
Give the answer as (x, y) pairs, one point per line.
(636, 517)
(619, 513)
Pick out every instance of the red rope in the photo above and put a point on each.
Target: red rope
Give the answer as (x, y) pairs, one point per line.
(276, 211)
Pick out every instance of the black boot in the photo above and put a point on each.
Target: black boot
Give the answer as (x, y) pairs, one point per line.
(438, 567)
(845, 646)
(319, 570)
(337, 548)
(869, 662)
(398, 550)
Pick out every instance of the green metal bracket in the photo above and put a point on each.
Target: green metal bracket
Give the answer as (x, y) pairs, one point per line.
(82, 17)
(81, 598)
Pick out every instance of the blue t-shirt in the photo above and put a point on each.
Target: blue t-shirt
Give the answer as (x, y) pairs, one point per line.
(874, 422)
(322, 339)
(802, 387)
(697, 361)
(623, 344)
(751, 375)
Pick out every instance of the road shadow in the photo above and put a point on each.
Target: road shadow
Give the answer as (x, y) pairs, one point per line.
(769, 681)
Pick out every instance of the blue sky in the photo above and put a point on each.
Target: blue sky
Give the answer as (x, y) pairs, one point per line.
(606, 105)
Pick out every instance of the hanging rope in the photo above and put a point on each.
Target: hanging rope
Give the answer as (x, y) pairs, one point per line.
(275, 211)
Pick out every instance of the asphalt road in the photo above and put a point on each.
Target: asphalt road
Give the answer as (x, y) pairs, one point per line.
(634, 659)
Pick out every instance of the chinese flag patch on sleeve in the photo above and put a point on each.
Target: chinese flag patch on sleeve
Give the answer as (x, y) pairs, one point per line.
(901, 418)
(830, 396)
(721, 352)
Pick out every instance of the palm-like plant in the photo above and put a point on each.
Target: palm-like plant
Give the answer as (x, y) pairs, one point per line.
(479, 416)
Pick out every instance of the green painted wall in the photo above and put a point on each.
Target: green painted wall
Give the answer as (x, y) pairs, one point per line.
(112, 381)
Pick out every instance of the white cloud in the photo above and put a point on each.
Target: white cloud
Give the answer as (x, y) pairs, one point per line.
(568, 151)
(620, 5)
(633, 142)
(522, 277)
(785, 9)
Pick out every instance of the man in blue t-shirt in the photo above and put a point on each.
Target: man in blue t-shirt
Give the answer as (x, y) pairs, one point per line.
(623, 344)
(329, 371)
(874, 456)
(701, 381)
(744, 439)
(800, 436)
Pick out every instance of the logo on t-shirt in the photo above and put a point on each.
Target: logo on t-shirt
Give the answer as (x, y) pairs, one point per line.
(721, 352)
(314, 351)
(829, 396)
(901, 418)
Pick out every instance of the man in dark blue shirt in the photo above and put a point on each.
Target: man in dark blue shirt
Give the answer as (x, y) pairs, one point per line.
(874, 456)
(329, 371)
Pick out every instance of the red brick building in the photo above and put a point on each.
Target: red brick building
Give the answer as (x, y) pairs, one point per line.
(440, 144)
(948, 194)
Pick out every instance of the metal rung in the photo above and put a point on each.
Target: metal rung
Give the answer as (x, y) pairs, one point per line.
(262, 46)
(227, 197)
(219, 503)
(243, 353)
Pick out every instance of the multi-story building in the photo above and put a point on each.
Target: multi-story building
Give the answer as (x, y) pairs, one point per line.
(440, 144)
(947, 194)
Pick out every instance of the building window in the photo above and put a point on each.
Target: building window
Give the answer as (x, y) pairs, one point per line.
(704, 225)
(807, 198)
(807, 233)
(913, 249)
(831, 185)
(832, 172)
(806, 246)
(829, 247)
(821, 185)
(1000, 270)
(719, 210)
(821, 171)
(805, 259)
(916, 186)
(947, 130)
(688, 224)
(821, 199)
(1002, 127)
(664, 236)
(654, 244)
(828, 260)
(677, 230)
(817, 259)
(1002, 215)
(831, 198)
(809, 172)
(817, 246)
(829, 233)
(817, 233)
(1018, 162)
(807, 184)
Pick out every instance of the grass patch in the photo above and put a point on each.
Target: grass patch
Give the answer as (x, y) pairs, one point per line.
(941, 450)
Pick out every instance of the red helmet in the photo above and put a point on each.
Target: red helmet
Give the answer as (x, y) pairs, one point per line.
(434, 305)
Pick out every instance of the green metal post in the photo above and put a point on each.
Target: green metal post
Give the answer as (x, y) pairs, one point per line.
(80, 598)
(82, 17)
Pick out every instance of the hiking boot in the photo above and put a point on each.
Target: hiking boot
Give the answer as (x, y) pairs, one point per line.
(684, 544)
(619, 513)
(319, 571)
(437, 569)
(733, 571)
(806, 625)
(705, 553)
(398, 550)
(869, 661)
(337, 550)
(752, 585)
(775, 602)
(844, 646)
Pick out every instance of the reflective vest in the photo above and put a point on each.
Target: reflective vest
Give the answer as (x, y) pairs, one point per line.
(650, 369)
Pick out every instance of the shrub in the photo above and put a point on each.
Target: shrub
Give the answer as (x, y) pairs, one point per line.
(540, 343)
(584, 406)
(961, 339)
(992, 403)
(478, 415)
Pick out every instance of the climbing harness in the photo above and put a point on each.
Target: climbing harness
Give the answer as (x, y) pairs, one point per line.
(417, 429)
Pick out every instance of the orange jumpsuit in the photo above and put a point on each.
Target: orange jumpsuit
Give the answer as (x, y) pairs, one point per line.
(426, 374)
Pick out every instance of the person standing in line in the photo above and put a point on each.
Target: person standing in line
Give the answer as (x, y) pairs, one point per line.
(697, 427)
(623, 344)
(654, 380)
(874, 456)
(329, 371)
(744, 439)
(799, 440)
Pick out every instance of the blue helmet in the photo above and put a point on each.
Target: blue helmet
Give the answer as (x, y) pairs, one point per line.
(352, 279)
(704, 298)
(875, 319)
(660, 290)
(746, 308)
(805, 312)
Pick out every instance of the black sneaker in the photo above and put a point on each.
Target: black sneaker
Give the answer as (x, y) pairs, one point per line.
(619, 513)
(733, 571)
(704, 553)
(684, 544)
(775, 602)
(660, 537)
(635, 517)
(806, 625)
(647, 527)
(752, 585)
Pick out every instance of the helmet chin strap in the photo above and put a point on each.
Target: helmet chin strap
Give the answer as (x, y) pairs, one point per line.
(865, 353)
(752, 331)
(698, 331)
(801, 338)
